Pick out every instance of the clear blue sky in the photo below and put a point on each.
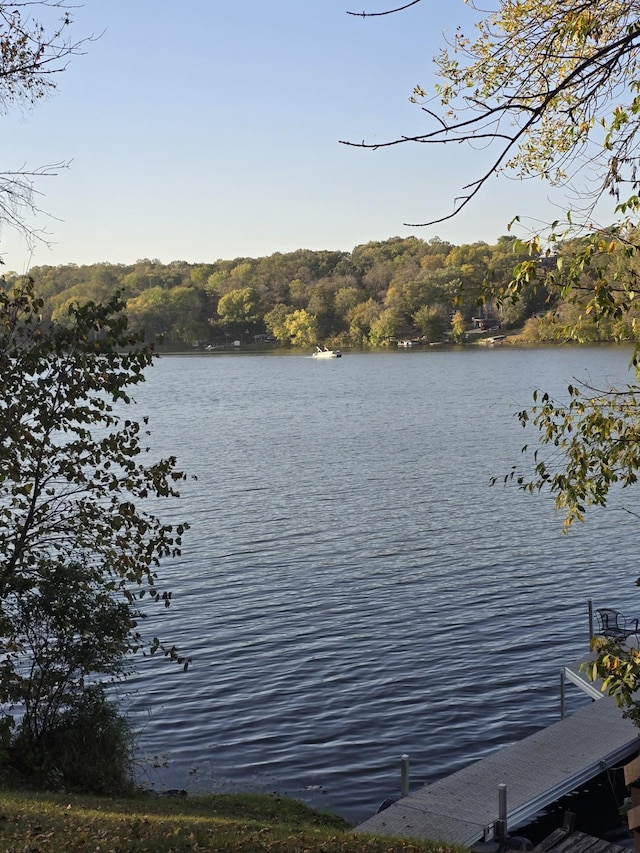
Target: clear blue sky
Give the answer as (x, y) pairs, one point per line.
(207, 129)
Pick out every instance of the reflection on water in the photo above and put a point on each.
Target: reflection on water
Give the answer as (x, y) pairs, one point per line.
(352, 588)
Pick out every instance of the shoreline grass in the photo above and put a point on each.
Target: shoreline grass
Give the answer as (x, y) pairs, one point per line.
(225, 823)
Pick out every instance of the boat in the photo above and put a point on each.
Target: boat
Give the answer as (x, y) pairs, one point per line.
(324, 352)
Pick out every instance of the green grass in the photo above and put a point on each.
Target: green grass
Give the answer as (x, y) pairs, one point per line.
(242, 823)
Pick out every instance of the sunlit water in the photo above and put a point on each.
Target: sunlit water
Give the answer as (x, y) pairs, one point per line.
(352, 587)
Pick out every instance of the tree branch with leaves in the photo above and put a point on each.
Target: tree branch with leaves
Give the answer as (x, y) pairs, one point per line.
(79, 547)
(552, 88)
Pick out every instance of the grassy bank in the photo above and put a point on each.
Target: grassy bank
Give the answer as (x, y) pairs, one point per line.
(58, 823)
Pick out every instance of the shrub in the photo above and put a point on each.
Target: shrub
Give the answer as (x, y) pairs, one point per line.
(88, 749)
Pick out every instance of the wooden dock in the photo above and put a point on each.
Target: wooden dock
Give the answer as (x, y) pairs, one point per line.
(561, 841)
(463, 808)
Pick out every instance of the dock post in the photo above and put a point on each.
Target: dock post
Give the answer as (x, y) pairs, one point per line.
(562, 694)
(590, 621)
(404, 775)
(501, 823)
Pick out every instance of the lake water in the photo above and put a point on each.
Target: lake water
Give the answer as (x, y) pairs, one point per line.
(352, 587)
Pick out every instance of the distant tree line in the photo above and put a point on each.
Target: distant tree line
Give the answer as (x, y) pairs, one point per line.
(380, 291)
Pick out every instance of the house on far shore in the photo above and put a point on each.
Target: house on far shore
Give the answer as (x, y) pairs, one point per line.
(484, 323)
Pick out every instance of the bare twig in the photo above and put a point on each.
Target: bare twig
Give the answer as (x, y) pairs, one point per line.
(388, 12)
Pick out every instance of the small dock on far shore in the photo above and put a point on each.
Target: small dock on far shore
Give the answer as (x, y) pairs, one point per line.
(463, 808)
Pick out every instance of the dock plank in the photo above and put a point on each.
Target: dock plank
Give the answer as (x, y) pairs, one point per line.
(462, 808)
(577, 842)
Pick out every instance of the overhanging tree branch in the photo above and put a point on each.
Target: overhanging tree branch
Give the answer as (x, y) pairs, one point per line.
(553, 82)
(388, 12)
(35, 47)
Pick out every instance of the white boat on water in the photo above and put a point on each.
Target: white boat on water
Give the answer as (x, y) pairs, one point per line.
(324, 352)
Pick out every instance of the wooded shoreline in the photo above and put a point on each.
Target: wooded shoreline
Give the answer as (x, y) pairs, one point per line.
(376, 295)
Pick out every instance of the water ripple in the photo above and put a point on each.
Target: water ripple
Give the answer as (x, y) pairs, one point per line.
(351, 587)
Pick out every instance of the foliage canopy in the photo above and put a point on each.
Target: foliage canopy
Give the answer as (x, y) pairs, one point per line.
(342, 293)
(78, 550)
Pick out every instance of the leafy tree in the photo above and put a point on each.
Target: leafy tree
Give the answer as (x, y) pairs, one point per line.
(299, 292)
(444, 285)
(199, 275)
(321, 305)
(388, 324)
(149, 311)
(361, 318)
(71, 627)
(301, 327)
(416, 292)
(431, 323)
(457, 327)
(291, 326)
(377, 278)
(77, 547)
(347, 296)
(187, 321)
(276, 322)
(239, 308)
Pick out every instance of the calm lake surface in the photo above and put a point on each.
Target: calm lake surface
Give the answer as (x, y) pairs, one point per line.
(352, 587)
